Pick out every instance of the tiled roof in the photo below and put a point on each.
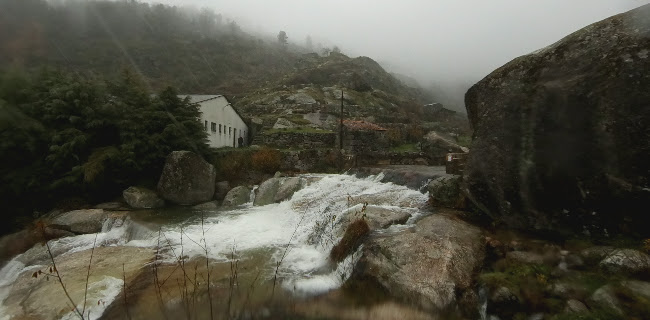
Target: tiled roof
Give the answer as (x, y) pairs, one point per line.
(360, 125)
(197, 98)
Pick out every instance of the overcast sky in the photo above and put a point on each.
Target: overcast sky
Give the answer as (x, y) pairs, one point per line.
(431, 40)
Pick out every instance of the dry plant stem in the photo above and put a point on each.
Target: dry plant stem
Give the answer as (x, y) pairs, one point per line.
(207, 264)
(56, 270)
(157, 283)
(234, 265)
(126, 305)
(92, 251)
(284, 254)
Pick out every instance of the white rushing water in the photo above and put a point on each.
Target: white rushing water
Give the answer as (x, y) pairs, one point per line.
(299, 232)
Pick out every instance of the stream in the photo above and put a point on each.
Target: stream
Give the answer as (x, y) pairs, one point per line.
(287, 243)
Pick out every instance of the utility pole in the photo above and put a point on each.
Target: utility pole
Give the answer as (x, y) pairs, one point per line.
(341, 126)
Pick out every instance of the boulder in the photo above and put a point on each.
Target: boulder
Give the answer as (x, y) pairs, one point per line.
(575, 306)
(80, 221)
(594, 255)
(208, 206)
(38, 298)
(301, 98)
(221, 189)
(142, 198)
(637, 288)
(429, 265)
(504, 302)
(626, 261)
(436, 146)
(237, 196)
(604, 297)
(445, 191)
(187, 179)
(288, 187)
(265, 193)
(560, 135)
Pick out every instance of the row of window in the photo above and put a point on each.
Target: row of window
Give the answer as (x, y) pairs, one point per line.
(213, 127)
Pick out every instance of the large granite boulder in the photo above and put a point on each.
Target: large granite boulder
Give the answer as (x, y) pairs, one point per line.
(221, 189)
(80, 221)
(277, 189)
(445, 191)
(430, 265)
(265, 193)
(187, 179)
(561, 135)
(237, 196)
(288, 187)
(141, 198)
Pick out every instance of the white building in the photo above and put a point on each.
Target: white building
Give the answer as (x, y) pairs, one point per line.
(220, 120)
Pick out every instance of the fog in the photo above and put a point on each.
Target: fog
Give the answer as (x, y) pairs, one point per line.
(448, 42)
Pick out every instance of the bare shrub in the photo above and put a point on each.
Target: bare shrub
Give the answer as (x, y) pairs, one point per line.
(267, 160)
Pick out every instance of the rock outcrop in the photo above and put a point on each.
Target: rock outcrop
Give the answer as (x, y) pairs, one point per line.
(237, 196)
(37, 298)
(560, 135)
(187, 179)
(626, 261)
(80, 221)
(277, 190)
(142, 198)
(429, 265)
(445, 191)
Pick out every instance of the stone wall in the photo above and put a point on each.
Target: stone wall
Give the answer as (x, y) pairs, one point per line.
(299, 140)
(395, 158)
(364, 141)
(314, 160)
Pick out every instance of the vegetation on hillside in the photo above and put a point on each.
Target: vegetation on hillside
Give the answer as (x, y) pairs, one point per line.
(65, 135)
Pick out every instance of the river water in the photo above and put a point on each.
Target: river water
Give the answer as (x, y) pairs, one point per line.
(290, 241)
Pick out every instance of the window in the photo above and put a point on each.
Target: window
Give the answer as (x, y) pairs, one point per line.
(214, 127)
(219, 128)
(229, 131)
(205, 126)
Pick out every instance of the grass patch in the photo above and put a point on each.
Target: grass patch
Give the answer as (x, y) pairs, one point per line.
(408, 147)
(464, 141)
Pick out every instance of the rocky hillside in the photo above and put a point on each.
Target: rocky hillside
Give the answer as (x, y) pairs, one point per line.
(195, 51)
(561, 135)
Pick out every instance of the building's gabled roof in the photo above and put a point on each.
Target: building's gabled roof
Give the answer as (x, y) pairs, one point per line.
(360, 125)
(199, 98)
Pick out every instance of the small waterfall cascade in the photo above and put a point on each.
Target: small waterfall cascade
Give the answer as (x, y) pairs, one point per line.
(298, 233)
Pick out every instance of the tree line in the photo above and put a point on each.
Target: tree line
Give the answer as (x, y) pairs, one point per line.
(65, 135)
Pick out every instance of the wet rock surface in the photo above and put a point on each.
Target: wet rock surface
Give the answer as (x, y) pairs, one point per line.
(142, 198)
(237, 196)
(561, 133)
(427, 265)
(43, 298)
(80, 221)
